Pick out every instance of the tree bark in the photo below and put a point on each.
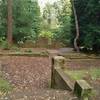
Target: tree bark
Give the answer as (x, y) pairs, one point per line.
(9, 22)
(77, 28)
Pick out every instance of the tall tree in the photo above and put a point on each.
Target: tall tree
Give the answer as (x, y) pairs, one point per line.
(47, 15)
(77, 28)
(9, 22)
(63, 13)
(26, 19)
(88, 13)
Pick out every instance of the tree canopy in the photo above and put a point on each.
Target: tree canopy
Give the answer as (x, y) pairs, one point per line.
(26, 19)
(88, 13)
(68, 21)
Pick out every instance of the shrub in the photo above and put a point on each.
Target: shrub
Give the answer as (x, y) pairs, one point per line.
(46, 34)
(28, 51)
(5, 45)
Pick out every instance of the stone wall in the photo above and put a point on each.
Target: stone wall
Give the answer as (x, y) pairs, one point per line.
(59, 80)
(42, 43)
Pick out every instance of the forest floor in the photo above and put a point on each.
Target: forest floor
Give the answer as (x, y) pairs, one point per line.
(32, 75)
(27, 72)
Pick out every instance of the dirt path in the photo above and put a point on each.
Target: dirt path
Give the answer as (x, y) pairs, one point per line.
(30, 77)
(27, 72)
(40, 95)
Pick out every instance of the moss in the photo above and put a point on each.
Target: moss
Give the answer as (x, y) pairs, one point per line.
(79, 74)
(76, 75)
(29, 53)
(5, 86)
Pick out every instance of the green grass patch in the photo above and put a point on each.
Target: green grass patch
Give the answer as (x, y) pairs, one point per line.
(28, 53)
(5, 86)
(80, 74)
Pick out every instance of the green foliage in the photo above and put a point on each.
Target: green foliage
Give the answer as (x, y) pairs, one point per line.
(47, 12)
(4, 44)
(63, 9)
(26, 19)
(46, 34)
(3, 16)
(28, 51)
(15, 48)
(5, 86)
(88, 12)
(80, 74)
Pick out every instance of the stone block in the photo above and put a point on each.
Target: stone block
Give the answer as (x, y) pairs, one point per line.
(82, 89)
(59, 62)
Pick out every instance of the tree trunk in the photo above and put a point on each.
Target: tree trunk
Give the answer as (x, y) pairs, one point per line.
(77, 28)
(9, 22)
